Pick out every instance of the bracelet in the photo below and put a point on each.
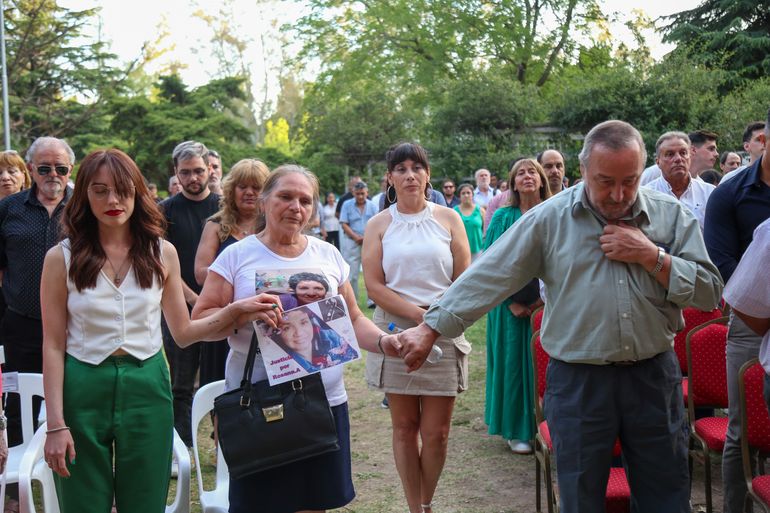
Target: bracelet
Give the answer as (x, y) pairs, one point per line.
(379, 342)
(659, 264)
(54, 430)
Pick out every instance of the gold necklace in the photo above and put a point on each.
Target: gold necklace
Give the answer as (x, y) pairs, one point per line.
(242, 231)
(117, 279)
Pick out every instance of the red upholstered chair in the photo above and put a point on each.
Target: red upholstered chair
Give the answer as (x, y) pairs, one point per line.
(618, 498)
(536, 319)
(706, 345)
(755, 431)
(692, 319)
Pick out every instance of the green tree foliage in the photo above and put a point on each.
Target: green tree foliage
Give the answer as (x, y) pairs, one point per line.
(422, 41)
(731, 34)
(676, 95)
(151, 128)
(59, 82)
(478, 124)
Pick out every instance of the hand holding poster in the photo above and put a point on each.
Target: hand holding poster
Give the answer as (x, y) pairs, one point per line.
(311, 337)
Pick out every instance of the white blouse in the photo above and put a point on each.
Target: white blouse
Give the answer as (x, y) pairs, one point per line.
(106, 318)
(416, 256)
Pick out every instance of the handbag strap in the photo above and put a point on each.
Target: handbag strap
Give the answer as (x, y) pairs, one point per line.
(249, 368)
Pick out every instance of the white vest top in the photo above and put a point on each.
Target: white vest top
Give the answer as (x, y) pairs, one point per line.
(106, 318)
(416, 256)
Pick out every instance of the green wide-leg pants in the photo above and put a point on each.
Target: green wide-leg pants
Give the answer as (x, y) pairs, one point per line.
(120, 412)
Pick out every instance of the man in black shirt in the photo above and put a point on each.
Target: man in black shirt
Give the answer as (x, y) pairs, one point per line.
(29, 227)
(186, 214)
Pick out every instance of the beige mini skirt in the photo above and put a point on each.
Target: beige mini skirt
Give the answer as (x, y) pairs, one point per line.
(447, 377)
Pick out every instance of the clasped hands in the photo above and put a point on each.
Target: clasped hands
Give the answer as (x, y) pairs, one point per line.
(412, 345)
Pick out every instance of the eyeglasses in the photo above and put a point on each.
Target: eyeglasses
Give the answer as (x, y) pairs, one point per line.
(449, 187)
(60, 170)
(103, 192)
(198, 171)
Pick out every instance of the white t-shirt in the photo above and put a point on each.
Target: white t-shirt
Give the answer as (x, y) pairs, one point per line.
(242, 264)
(748, 290)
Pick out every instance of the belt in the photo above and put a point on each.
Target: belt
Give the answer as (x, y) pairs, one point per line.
(625, 363)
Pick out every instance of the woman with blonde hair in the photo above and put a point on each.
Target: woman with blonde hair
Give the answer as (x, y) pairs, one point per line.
(235, 220)
(508, 409)
(14, 176)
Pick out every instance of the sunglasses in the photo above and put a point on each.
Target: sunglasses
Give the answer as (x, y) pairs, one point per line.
(60, 170)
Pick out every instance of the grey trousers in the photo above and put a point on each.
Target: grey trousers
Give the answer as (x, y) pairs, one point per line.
(589, 406)
(742, 345)
(351, 252)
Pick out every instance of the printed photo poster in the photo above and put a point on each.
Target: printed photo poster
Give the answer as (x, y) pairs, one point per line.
(316, 332)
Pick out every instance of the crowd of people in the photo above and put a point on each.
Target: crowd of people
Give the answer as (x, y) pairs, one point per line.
(125, 302)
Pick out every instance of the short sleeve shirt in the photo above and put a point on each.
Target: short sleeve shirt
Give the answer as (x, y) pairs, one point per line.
(748, 290)
(241, 265)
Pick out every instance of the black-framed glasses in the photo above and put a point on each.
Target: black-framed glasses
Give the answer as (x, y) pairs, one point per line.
(45, 169)
(449, 187)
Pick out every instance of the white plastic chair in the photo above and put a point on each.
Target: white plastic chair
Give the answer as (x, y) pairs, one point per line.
(30, 385)
(34, 467)
(181, 502)
(216, 500)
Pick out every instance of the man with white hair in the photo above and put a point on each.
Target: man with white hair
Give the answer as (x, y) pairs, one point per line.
(483, 192)
(672, 154)
(29, 227)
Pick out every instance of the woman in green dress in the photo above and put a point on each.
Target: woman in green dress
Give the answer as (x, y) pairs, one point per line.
(473, 219)
(509, 411)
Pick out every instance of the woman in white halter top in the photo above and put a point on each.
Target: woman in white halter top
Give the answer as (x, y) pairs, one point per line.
(412, 252)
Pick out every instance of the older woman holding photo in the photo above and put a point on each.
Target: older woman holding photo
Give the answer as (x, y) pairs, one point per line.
(508, 409)
(288, 202)
(413, 250)
(107, 387)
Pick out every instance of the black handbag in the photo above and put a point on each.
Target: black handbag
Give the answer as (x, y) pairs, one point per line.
(261, 426)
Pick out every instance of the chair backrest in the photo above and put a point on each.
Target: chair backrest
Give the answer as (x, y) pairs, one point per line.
(30, 385)
(706, 346)
(203, 403)
(692, 318)
(539, 364)
(536, 320)
(755, 421)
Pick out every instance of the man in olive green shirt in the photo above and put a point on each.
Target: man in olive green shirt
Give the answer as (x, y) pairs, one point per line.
(619, 263)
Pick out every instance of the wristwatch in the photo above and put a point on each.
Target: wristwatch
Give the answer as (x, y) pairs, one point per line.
(3, 422)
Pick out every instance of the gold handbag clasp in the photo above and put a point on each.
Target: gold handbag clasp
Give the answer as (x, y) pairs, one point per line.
(273, 413)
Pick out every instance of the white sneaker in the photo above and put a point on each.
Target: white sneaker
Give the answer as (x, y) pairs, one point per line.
(520, 447)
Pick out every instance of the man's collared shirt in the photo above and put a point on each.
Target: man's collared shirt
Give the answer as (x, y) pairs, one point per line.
(598, 310)
(733, 212)
(482, 198)
(695, 197)
(27, 232)
(355, 218)
(748, 290)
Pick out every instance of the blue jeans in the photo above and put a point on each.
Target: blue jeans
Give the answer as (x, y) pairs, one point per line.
(589, 406)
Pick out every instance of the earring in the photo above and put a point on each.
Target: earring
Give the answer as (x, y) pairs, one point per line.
(429, 191)
(387, 194)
